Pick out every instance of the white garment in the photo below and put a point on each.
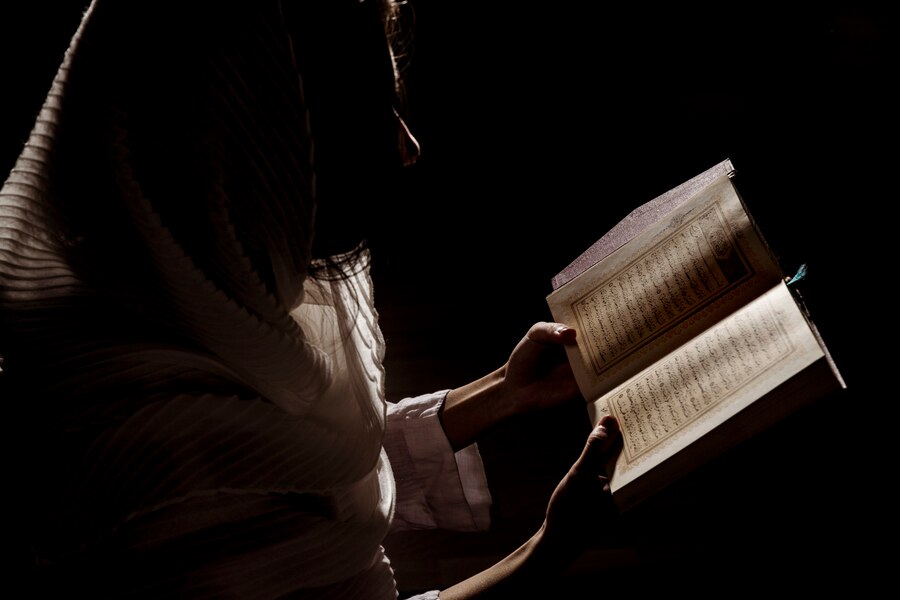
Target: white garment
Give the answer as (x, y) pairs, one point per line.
(207, 420)
(435, 487)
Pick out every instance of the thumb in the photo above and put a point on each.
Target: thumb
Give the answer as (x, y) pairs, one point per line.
(602, 446)
(546, 332)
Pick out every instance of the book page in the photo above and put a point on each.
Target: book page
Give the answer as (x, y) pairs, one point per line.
(702, 261)
(706, 381)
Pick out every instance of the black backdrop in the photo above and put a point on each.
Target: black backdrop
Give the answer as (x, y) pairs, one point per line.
(542, 125)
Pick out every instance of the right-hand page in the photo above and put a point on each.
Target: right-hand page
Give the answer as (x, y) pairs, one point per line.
(698, 387)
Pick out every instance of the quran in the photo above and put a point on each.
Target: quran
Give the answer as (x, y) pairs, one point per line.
(688, 332)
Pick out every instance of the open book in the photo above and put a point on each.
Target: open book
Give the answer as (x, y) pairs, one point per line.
(688, 333)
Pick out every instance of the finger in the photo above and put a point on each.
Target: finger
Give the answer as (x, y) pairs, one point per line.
(546, 332)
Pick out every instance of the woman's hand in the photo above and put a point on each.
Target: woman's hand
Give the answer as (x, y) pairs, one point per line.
(581, 506)
(537, 375)
(580, 510)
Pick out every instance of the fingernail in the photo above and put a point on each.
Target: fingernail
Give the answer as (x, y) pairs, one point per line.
(561, 329)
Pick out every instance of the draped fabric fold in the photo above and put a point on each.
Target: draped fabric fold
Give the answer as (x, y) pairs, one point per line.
(189, 387)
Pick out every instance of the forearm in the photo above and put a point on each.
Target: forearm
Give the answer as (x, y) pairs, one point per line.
(471, 409)
(518, 575)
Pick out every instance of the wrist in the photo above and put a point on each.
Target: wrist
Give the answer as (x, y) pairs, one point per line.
(471, 409)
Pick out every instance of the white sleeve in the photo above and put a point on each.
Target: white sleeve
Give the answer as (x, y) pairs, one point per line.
(432, 595)
(436, 488)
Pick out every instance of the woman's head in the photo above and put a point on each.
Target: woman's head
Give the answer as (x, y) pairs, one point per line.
(352, 58)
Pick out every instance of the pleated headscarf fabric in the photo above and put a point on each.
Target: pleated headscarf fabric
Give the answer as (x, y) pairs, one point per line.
(196, 405)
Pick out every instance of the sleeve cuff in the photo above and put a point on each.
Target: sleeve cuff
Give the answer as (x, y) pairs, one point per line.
(432, 595)
(436, 488)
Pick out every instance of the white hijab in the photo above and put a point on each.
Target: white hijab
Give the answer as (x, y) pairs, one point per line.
(199, 404)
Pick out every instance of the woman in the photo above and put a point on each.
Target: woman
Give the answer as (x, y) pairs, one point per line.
(204, 398)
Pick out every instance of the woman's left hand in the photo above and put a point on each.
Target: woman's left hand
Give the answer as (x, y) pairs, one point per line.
(538, 374)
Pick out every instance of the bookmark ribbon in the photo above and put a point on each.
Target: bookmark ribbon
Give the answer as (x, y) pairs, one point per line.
(800, 274)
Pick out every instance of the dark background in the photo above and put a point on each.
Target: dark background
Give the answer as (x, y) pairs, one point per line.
(542, 125)
(541, 128)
